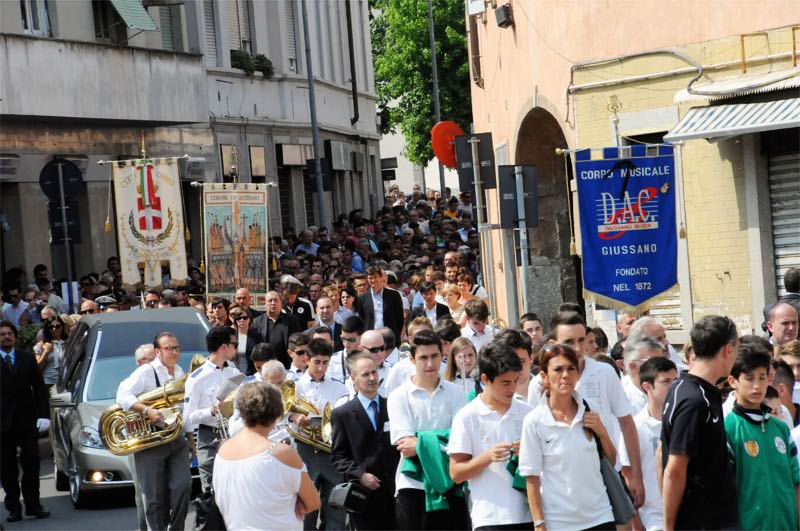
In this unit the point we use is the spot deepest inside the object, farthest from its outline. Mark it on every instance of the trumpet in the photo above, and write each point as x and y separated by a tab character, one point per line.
224	411
499	324
319	437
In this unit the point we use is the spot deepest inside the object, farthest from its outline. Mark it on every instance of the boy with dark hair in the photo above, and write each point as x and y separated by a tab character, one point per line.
262	353
352	330
448	331
521	343
422	403
783	382
655	376
485	436
476	329
531	324
314	387
297	351
761	448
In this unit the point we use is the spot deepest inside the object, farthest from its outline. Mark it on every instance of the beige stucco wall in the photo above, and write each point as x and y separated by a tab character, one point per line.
529	66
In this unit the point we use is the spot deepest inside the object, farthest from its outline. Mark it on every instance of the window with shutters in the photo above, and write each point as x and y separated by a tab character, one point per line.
238	19
34	17
210	34
109	27
291	36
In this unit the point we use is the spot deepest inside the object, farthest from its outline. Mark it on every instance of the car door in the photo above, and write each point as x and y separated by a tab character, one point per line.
69	381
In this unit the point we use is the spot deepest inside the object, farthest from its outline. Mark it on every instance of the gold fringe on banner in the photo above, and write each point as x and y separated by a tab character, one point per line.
620	306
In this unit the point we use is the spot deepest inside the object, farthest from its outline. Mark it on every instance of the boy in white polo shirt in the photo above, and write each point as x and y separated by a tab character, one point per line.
655	376
424	402
485	435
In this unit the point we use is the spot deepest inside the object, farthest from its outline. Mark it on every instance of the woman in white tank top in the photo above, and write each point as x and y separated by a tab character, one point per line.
259	484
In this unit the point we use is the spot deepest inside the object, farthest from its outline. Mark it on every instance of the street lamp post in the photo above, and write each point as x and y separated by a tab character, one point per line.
436	109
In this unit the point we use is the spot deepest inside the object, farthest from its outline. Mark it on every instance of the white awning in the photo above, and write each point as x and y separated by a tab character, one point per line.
736	119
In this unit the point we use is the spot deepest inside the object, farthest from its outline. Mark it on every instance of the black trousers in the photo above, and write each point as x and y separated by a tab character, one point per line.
527	526
607	526
411	512
26	438
379	514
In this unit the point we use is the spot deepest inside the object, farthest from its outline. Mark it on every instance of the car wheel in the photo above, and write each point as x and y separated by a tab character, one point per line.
62	480
80	499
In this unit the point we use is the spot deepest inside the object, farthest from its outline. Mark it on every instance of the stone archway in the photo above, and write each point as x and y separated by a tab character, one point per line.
555	274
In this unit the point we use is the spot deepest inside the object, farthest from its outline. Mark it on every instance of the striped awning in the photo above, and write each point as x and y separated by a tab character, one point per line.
719	121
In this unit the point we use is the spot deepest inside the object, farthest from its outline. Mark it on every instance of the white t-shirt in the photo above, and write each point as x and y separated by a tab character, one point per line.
568	465
412	409
476	428
259	492
649	430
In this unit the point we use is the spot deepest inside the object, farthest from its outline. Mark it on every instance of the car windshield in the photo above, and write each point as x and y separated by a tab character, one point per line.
115	360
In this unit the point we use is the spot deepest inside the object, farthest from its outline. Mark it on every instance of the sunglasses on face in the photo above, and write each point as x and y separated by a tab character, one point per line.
240	318
54	327
151	304
84	312
300	352
349	339
375	350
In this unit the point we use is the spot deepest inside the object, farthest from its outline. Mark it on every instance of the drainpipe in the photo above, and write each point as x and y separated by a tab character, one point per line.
351	50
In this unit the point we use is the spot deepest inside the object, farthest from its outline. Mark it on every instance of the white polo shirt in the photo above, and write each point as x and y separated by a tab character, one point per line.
478	340
402	371
635	396
602	388
412	410
649	429
476	428
567	462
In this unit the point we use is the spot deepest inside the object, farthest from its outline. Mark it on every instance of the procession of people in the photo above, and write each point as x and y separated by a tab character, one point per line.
376	372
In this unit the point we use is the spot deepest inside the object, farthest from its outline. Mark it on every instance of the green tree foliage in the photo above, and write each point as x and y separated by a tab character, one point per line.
403	74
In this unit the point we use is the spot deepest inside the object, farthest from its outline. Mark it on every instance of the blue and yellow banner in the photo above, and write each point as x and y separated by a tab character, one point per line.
627	220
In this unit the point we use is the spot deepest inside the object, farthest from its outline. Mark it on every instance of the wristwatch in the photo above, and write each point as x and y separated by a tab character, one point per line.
538	523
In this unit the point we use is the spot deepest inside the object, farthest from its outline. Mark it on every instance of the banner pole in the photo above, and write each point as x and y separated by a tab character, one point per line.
67	239
523	237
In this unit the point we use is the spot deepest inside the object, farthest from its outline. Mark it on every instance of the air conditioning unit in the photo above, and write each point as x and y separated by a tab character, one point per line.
503	16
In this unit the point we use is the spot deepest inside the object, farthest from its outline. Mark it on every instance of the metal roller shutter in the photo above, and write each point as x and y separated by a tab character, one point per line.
784	198
238	19
211	34
165	19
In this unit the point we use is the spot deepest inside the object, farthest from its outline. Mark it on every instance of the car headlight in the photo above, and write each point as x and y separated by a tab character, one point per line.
90	438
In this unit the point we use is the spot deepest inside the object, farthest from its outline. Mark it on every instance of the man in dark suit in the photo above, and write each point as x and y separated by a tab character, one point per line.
791	283
24	411
430	308
276	327
381	306
362	449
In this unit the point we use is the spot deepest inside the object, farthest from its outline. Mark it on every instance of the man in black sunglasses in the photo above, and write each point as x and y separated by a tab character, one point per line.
88	307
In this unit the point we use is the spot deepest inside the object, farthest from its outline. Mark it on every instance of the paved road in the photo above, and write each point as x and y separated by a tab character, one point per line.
114	510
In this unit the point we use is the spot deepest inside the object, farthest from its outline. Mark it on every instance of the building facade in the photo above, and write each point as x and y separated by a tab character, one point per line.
90	80
563	74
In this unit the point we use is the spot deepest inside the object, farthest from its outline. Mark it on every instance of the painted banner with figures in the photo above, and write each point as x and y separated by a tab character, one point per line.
150	226
628	228
235	237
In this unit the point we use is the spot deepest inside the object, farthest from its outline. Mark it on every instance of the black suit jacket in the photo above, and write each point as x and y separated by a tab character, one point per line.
357	448
441	311
254	337
277	334
23	395
789	298
392	311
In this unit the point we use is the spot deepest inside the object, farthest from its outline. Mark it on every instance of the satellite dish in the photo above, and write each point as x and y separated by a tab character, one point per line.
443	136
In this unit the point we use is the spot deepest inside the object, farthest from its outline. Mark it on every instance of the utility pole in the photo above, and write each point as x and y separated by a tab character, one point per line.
314	125
436	109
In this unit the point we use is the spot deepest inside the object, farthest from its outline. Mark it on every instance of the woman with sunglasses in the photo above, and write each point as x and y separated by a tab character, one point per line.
348	298
51	349
558	453
248	338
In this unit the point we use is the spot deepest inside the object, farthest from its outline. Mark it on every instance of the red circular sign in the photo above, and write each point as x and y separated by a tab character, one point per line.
443	136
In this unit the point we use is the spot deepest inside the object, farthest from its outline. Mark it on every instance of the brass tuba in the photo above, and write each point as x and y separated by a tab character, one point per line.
128	432
499	324
319	437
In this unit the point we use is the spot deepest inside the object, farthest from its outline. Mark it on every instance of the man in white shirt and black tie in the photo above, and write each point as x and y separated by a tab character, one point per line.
163	476
201	406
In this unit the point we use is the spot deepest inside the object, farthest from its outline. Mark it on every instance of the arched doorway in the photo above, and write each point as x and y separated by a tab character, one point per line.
555	274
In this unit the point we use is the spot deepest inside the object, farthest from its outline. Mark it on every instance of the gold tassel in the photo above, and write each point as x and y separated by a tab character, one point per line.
682	233
108	224
203	266
188	235
573	248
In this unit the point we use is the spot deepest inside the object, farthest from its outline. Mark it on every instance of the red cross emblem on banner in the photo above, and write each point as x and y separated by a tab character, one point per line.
148	203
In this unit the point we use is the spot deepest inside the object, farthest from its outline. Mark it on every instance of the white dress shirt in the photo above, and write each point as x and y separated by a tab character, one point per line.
293	373
412	409
202	387
635	395
336	368
478	340
377	307
383	372
476	428
143	379
320	393
430	314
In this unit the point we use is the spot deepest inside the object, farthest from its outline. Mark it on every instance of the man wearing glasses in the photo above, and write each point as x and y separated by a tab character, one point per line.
374	344
634	355
201	406
88	307
162	474
151	300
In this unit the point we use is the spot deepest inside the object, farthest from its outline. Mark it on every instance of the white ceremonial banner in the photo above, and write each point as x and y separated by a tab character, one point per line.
150	225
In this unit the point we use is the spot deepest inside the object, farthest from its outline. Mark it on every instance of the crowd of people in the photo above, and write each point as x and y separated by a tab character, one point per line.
403	385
